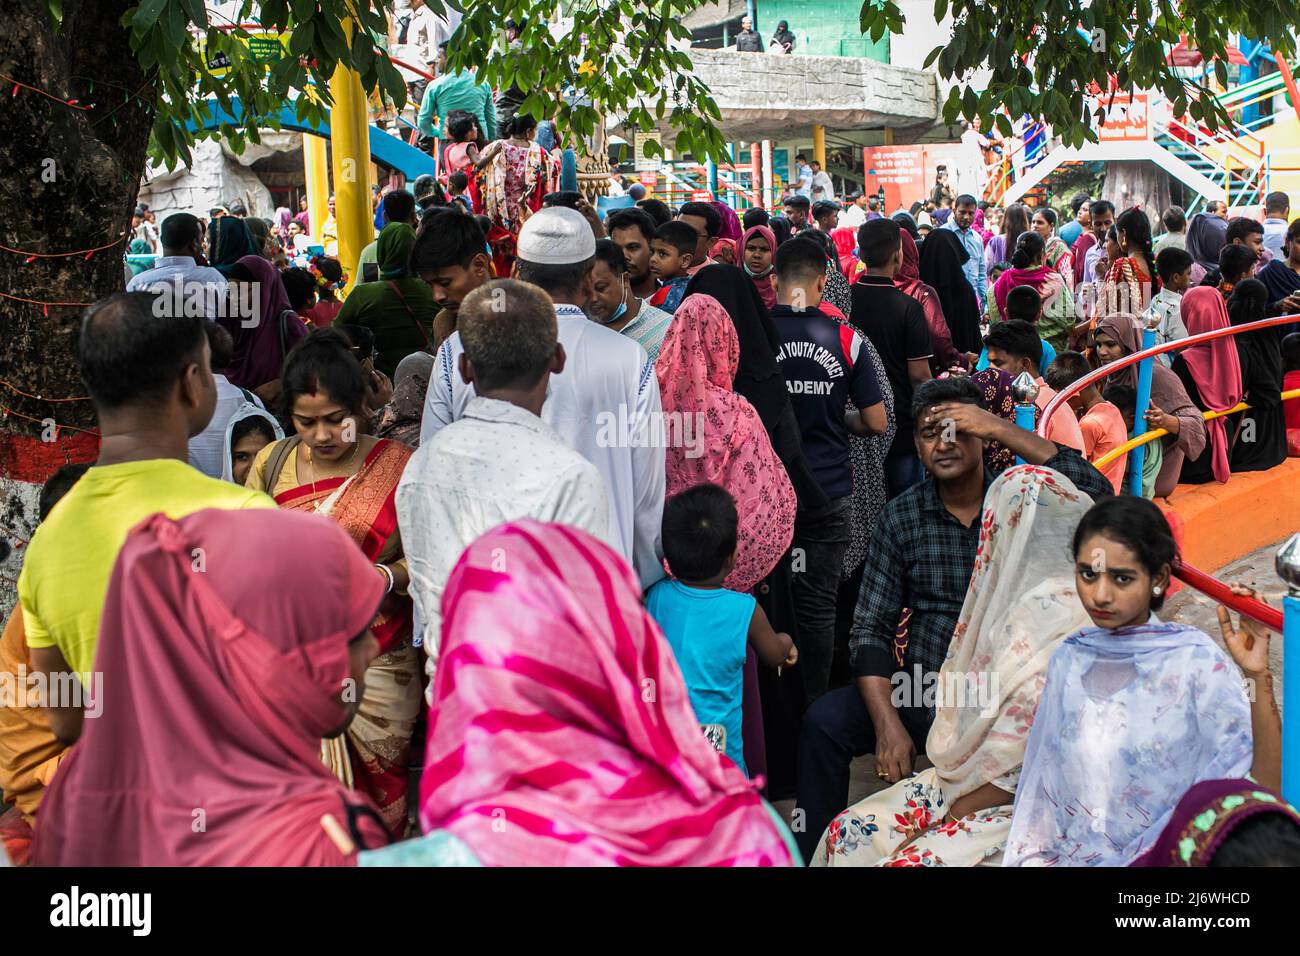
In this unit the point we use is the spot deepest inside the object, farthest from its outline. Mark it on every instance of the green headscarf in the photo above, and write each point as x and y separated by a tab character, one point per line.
393	250
139	247
229	241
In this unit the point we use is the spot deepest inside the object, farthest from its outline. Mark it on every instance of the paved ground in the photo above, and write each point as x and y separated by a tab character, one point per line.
1187	606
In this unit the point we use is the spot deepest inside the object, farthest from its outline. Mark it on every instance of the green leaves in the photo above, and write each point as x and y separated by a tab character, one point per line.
146	15
619	59
1038	62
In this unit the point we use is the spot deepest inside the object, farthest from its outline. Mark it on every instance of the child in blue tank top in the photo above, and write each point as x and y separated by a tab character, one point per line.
707	626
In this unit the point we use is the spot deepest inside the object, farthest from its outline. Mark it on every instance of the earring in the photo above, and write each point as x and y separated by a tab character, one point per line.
1156	590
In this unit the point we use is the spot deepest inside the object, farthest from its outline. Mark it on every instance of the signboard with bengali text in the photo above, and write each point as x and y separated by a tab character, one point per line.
1124	118
906	173
641	162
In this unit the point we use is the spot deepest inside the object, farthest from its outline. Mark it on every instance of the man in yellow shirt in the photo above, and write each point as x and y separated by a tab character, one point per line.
148	375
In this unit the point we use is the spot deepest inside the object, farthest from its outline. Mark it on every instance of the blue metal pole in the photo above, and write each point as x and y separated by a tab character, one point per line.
1291	693
1025	420
1025	392
711	177
1288	568
752	6
1138	456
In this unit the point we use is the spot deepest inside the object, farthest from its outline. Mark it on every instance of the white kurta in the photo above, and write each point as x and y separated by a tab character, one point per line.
606	405
497	463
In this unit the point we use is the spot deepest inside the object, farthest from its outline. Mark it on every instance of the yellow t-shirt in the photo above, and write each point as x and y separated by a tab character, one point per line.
65	572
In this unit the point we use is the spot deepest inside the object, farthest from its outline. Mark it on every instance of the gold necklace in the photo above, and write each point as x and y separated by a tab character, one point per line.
311	461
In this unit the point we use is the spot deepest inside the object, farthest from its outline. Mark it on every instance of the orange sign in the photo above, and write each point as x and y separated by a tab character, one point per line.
649	179
907	173
701	195
1122	118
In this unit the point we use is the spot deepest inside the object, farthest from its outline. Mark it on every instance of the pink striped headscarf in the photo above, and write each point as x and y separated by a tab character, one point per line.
1214	366
561	733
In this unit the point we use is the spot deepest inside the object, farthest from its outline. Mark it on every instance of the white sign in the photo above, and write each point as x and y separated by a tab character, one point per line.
644	163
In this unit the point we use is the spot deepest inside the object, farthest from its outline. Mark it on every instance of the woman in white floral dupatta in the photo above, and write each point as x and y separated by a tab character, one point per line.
1020	604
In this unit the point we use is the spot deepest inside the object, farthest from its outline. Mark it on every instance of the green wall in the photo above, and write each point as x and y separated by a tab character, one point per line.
822	27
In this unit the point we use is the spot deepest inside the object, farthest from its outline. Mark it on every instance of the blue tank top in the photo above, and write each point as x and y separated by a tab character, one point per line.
708	631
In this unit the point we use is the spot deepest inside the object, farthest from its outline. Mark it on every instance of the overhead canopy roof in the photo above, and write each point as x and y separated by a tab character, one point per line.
713	13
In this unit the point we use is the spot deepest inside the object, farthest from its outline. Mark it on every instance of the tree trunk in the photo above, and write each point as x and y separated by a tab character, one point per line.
68	182
1138	183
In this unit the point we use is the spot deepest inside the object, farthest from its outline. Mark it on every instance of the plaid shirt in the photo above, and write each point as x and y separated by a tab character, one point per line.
921	557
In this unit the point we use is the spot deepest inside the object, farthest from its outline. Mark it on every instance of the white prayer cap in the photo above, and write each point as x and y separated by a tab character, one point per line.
556	236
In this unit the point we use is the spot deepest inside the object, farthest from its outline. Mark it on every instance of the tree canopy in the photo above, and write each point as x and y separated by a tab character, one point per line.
616	58
1042	64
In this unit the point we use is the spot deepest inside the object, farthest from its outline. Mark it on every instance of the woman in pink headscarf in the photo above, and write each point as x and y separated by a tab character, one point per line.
756	250
908	280
697	364
220	681
560	731
1211	373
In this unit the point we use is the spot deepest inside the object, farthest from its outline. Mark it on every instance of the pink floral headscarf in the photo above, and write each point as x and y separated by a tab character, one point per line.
697	364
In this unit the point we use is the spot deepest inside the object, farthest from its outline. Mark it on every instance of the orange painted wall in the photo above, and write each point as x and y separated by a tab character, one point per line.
1225	522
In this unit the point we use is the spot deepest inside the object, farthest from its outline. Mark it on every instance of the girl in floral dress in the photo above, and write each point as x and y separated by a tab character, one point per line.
515	173
1135	710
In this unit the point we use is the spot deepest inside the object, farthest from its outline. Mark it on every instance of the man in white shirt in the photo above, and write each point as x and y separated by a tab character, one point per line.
498	461
606	401
1277	212
177	271
823	187
804	176
855	213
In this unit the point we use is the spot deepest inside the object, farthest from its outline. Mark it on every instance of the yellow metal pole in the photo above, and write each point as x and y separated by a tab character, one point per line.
889	136
819	144
350	132
315	159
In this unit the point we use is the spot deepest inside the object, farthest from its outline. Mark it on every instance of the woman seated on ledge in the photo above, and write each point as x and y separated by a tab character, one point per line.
1211	374
1119	334
561	733
1020	604
1135	711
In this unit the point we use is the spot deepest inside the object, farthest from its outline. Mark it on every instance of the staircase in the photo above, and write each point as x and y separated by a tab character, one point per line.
1232	157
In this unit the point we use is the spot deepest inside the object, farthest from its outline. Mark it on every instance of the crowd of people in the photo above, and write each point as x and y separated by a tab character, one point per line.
585	541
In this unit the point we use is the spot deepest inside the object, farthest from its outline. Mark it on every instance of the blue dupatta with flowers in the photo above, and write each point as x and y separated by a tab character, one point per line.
1129	719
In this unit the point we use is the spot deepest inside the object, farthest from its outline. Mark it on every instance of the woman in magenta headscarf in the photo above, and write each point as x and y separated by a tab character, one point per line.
1029	267
1211	373
908	280
756	250
560	730
264	338
219	687
731	228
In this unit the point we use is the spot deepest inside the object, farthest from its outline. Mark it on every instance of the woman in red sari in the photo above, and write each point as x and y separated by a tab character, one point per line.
331	467
1132	277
